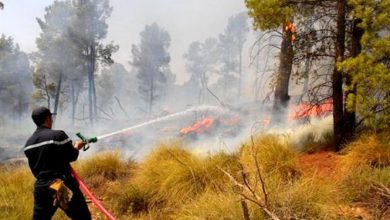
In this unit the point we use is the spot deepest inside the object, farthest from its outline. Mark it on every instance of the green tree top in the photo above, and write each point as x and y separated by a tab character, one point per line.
269	14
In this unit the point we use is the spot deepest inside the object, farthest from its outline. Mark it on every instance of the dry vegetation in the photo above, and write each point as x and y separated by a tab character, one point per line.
172	183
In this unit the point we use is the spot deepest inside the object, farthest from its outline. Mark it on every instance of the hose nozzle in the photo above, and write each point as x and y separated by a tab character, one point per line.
86	140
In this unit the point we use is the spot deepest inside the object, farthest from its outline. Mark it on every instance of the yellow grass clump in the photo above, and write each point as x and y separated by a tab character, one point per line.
365	174
172	183
273	155
105	165
372	150
306	198
172	176
213	205
16	193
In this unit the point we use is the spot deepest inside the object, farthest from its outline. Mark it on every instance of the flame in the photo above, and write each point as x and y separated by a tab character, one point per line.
199	127
302	111
290	27
231	121
265	122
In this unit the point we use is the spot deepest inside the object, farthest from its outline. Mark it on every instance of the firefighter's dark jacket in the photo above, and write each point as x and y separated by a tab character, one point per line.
49	153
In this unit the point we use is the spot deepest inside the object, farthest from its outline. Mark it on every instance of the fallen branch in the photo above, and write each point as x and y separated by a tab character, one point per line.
256	198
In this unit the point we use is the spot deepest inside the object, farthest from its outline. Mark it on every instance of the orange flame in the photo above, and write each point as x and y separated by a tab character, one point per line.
290	27
199	127
302	111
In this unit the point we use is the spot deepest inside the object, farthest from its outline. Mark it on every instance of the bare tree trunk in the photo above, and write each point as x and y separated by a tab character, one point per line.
151	95
283	79
337	79
91	83
93	64
75	97
90	99
240	75
58	91
47	92
308	61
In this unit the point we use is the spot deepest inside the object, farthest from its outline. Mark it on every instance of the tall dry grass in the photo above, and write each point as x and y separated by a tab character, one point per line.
172	183
272	155
16	193
171	176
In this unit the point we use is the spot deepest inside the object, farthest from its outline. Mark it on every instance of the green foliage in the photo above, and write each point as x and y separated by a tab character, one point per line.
269	14
151	62
370	70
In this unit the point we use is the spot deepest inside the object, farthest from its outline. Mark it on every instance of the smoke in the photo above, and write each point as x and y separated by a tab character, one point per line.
119	103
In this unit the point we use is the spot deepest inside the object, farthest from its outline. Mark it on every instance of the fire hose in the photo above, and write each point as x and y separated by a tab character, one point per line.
91	196
84	187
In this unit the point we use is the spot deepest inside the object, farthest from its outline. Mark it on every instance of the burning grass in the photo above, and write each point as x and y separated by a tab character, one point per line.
172	183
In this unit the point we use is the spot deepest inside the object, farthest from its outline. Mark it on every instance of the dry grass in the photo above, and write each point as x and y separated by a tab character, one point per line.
108	165
172	183
372	150
173	176
212	205
274	157
16	193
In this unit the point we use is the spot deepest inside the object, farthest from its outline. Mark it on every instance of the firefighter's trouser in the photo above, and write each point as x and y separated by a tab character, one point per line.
44	198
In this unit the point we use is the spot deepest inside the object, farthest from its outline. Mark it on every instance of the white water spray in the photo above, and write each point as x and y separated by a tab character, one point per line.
165	118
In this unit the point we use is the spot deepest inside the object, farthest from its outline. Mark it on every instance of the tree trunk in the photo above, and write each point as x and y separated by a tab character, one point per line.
151	95
93	64
90	99
337	79
283	79
58	91
75	97
240	75
350	114
308	61
91	83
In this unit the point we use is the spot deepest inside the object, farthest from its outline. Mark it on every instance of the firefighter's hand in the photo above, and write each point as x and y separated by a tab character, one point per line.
78	144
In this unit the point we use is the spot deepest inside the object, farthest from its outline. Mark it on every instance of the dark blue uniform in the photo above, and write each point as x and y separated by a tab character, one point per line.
49	154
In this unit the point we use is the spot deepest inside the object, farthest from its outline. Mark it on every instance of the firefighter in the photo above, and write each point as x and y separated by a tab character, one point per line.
49	153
